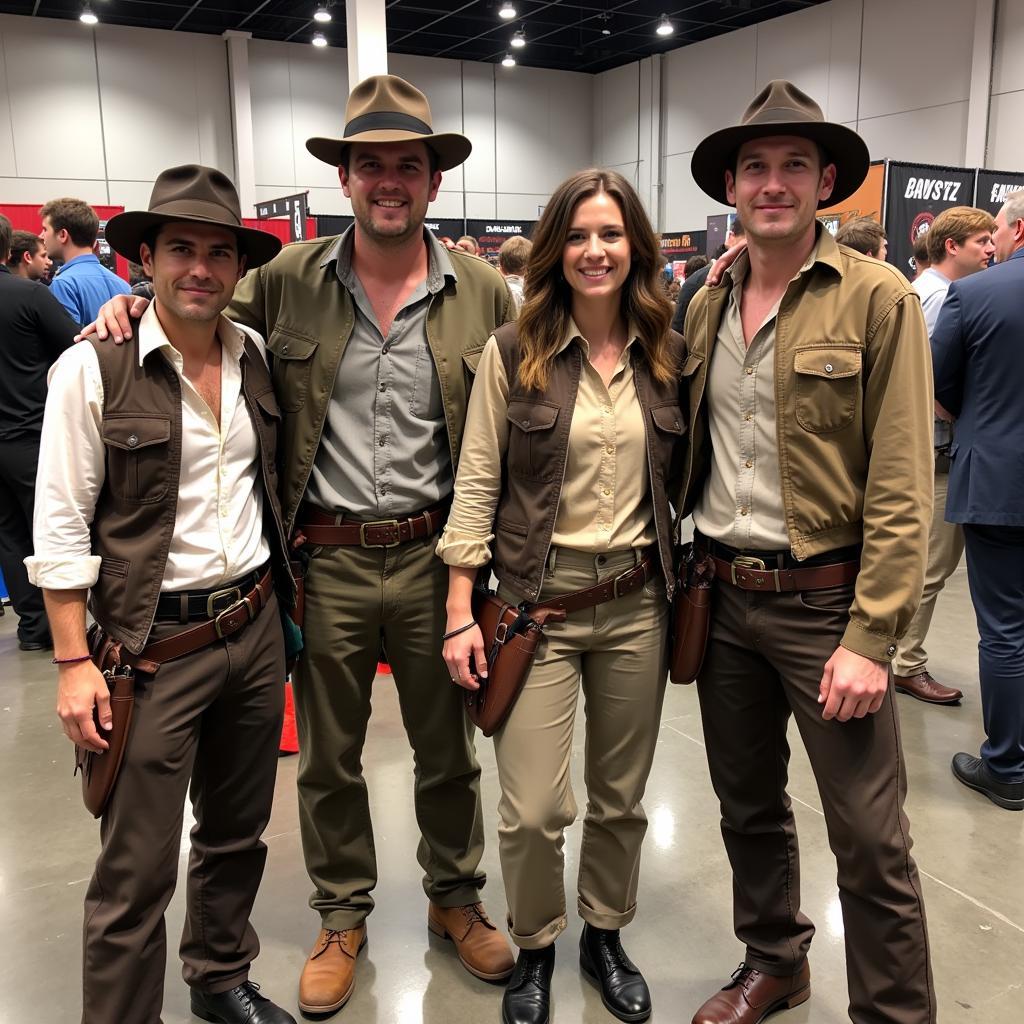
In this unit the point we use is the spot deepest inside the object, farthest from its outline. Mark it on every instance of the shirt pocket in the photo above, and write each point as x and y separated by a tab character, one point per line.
293	365
470	365
270	421
427	403
828	386
531	440
670	428
137	448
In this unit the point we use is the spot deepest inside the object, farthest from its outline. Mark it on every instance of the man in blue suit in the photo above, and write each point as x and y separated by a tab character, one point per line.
978	352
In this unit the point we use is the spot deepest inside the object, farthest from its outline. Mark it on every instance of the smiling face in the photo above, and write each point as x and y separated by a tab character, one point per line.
777	186
597	254
390	185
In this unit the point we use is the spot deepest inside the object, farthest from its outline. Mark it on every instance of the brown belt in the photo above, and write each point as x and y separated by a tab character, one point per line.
322	527
610	589
229	622
750	573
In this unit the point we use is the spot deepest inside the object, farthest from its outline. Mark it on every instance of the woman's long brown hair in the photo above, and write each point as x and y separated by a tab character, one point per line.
547	305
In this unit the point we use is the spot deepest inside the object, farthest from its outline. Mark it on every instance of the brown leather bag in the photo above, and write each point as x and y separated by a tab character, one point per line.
99	771
691	614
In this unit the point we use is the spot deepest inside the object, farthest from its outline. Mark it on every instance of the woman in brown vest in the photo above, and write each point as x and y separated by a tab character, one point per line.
572	449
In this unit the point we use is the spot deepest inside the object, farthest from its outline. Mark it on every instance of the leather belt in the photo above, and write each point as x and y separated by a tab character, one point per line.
322	527
230	621
610	589
205	604
750	573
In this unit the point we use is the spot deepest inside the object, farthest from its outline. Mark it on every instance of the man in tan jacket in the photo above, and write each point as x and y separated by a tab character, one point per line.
810	483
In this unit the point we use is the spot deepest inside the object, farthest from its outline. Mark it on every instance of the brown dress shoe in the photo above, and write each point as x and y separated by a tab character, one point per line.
923	687
481	949
329	977
751	996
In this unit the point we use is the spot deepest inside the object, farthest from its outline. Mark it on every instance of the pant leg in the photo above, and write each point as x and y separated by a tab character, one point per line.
744	713
997	589
945	549
447	774
861	776
624	675
18	461
232	793
332	683
124	941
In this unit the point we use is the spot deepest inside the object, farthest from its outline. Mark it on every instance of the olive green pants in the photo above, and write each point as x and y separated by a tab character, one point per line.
356	597
616	654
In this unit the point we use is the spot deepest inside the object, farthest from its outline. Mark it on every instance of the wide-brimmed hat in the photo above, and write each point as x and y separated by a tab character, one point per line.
199	195
385	108
780	108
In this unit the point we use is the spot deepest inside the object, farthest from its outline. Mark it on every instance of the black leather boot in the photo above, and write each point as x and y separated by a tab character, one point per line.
527	998
242	1005
623	989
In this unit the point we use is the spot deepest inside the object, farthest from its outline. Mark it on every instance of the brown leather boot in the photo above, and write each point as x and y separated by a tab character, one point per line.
329	977
922	686
751	996
483	951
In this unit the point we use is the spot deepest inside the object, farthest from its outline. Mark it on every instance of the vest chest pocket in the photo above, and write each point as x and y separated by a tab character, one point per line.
827	387
269	421
670	428
293	364
138	448
531	439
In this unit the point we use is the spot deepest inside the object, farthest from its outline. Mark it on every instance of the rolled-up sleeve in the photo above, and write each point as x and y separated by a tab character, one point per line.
70	475
467	537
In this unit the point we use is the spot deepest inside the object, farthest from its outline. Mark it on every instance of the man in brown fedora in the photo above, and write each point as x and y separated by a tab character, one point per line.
371	335
809	479
157	498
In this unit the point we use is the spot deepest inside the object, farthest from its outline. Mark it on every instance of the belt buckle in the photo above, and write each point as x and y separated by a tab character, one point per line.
745	562
619	579
235	593
363	527
242	601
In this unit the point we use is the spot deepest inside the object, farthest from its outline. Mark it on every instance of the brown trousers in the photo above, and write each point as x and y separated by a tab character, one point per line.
213	717
763	665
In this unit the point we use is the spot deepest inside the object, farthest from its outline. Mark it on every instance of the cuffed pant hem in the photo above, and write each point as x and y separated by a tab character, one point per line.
775	970
461	897
609	922
214	988
908	670
343	920
539	939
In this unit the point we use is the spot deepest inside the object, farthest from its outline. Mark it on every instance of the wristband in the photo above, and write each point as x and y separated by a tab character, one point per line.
70	661
461	629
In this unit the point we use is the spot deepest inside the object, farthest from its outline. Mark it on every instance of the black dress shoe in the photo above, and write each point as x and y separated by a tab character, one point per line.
527	998
242	1005
623	989
35	645
973	772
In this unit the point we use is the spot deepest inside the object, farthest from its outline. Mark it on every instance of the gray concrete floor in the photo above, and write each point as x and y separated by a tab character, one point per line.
970	852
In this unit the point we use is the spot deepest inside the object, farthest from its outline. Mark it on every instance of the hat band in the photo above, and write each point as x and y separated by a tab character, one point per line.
384	120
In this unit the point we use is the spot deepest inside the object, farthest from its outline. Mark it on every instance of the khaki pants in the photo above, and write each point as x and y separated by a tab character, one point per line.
945	549
355	597
615	653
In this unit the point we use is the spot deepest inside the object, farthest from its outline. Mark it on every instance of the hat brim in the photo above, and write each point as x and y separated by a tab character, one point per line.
125	232
451	148
845	148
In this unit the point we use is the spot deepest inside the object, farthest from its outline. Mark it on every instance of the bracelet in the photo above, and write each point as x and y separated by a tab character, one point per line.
461	629
70	661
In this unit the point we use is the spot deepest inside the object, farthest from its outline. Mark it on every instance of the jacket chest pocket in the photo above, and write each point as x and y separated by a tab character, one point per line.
827	387
293	365
532	453
138	448
267	416
669	430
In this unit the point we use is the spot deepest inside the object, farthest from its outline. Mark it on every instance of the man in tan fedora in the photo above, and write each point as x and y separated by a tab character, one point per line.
157	497
370	334
809	480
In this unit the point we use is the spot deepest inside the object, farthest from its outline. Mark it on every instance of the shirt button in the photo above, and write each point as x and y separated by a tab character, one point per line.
133	440
891	650
607	491
750	370
525	423
601	559
610	450
749	416
284	350
749	463
382	442
383	387
743	511
828	367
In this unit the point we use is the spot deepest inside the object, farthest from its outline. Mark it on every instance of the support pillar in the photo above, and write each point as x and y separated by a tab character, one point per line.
367	39
241	118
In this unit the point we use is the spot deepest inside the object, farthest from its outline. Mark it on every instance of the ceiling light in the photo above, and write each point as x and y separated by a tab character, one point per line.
665	27
87	17
319	39
508	61
507	11
606	31
519	40
322	14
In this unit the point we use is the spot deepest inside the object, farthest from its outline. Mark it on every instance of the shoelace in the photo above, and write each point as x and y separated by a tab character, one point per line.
534	971
743	975
474	914
248	995
336	938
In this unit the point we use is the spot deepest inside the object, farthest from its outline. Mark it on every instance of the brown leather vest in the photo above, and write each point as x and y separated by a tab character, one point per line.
538	446
137	505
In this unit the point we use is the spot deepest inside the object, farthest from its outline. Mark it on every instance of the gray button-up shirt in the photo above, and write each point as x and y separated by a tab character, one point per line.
384	451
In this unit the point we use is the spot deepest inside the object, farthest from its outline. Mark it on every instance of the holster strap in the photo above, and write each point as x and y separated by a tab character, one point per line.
749	573
556	609
322	527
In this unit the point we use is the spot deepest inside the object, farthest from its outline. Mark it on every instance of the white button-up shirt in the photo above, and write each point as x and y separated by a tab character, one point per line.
218	527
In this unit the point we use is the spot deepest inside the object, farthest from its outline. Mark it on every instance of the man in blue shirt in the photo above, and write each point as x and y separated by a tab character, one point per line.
82	284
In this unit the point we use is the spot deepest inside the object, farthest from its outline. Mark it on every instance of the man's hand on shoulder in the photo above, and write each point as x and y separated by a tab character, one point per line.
852	686
723	263
114	319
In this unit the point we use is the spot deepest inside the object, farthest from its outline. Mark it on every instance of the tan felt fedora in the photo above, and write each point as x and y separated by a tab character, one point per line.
385	108
199	195
780	108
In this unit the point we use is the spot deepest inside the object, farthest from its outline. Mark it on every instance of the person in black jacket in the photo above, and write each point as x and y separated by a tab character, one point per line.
34	330
693	282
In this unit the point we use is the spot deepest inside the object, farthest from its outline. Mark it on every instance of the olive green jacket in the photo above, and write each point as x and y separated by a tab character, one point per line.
300	306
853	392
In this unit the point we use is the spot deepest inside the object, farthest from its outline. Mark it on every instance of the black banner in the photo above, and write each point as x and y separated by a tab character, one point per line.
915	195
295	208
490	234
447	227
681	245
994	187
328	224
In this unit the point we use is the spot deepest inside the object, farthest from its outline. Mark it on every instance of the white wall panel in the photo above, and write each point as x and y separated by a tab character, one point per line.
1006	139
684	206
1007	62
935	135
319	88
8	163
41	190
798	48
478	97
617	109
132	195
273	139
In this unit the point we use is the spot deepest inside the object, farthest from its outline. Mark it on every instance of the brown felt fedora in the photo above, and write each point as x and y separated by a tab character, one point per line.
780	108
199	195
385	108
